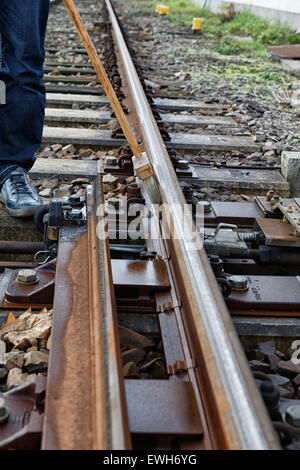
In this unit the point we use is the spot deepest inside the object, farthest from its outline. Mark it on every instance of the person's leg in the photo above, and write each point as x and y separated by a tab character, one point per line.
22	27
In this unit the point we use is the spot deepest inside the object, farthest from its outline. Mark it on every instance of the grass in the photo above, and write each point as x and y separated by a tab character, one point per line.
182	12
262	32
260	29
230	33
243	78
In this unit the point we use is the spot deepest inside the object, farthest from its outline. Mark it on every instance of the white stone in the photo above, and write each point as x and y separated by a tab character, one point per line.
16	377
295	99
290	170
45	192
292	65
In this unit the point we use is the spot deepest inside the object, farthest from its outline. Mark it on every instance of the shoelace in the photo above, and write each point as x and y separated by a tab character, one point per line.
19	185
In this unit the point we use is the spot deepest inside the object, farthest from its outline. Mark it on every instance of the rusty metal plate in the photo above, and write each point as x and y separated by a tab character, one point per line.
172	343
264	206
268	293
23	429
278	233
140	273
20	296
238	213
40	293
162	407
287	51
174	355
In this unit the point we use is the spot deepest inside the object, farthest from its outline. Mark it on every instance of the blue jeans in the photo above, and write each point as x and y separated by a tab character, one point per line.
22	28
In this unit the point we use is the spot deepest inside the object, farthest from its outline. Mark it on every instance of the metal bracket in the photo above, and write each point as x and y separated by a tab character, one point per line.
23	428
291	214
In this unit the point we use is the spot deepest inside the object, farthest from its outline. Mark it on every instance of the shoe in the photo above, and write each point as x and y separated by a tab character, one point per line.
19	197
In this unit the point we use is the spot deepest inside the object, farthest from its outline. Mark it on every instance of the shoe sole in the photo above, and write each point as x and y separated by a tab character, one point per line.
20	213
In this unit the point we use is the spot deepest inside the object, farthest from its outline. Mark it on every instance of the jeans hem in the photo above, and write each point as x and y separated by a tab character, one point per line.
4	173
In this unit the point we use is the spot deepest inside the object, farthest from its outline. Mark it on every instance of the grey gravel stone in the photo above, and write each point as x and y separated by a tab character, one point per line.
12	360
259	366
3	375
36	361
288	369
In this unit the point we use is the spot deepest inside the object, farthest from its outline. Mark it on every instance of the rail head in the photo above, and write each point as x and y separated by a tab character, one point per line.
221	365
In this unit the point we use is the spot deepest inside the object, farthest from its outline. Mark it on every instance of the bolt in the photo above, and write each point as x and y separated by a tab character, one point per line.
267	386
270	194
216	264
205	205
292	415
269	393
27	276
183	164
115	202
238	282
4	411
275	199
111	161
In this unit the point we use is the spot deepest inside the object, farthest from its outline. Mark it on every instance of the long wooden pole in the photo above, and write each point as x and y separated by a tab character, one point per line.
104	80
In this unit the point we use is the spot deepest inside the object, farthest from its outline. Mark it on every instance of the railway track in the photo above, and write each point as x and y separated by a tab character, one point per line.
144	353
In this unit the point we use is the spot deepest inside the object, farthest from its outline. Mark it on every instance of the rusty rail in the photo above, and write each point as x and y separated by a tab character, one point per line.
233	407
85	406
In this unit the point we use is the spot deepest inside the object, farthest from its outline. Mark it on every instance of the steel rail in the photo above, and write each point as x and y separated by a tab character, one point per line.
234	408
86	404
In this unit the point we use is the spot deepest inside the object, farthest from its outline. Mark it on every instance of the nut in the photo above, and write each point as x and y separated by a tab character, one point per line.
111	161
270	194
4	411
275	199
183	164
238	282
205	205
27	276
292	415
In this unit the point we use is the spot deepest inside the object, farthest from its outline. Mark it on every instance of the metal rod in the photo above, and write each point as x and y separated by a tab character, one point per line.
18	247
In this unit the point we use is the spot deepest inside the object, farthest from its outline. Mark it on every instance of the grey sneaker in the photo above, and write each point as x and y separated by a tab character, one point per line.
19	197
